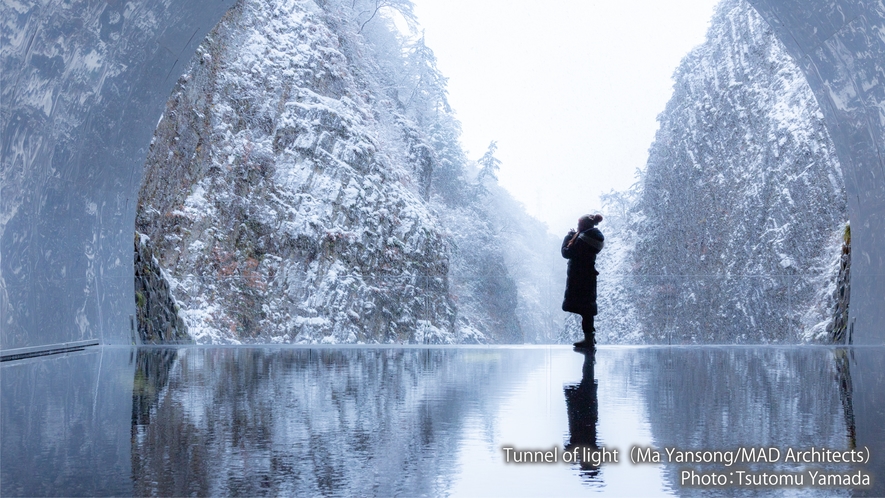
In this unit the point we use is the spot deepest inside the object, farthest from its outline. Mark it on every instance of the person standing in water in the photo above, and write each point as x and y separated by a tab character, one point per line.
580	249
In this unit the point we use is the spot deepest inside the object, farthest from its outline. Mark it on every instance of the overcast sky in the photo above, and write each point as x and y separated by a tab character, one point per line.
570	89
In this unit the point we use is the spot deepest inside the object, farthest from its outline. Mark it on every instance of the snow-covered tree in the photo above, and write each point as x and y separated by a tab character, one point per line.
489	164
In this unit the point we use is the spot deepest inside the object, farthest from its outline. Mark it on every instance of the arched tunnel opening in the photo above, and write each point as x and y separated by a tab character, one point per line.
82	87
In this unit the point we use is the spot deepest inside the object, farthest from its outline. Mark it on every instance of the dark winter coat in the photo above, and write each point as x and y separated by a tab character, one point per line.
580	285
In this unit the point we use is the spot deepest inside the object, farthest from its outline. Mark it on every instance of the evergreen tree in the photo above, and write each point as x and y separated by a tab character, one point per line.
425	94
489	164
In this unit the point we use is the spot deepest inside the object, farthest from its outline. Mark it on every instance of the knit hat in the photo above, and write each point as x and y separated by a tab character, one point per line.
588	221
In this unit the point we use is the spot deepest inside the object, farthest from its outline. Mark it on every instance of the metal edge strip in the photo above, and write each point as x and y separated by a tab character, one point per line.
30	352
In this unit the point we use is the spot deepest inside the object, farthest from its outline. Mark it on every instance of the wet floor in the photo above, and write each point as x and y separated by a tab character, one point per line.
362	421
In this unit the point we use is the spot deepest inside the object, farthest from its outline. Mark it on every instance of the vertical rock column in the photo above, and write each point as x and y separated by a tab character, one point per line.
838	329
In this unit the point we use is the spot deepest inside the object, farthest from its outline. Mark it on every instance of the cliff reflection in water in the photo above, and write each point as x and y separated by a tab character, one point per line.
351	422
723	398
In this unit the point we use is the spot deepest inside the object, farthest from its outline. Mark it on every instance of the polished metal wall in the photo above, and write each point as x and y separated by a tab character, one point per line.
84	83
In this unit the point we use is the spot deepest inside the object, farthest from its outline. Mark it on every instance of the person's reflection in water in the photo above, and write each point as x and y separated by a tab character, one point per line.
583	414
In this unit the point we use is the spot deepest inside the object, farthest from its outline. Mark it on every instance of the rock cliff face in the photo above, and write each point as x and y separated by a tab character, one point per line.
732	232
156	310
305	184
839	330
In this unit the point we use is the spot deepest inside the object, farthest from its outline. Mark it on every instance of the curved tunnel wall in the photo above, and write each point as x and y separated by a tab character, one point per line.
83	85
84	82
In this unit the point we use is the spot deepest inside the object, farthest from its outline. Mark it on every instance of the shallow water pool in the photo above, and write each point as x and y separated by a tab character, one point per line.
414	421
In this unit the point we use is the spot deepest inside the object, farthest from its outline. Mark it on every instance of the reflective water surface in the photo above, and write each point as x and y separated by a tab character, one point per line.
412	421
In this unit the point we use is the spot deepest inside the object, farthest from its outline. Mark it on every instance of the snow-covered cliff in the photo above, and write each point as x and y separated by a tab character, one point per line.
306	184
732	233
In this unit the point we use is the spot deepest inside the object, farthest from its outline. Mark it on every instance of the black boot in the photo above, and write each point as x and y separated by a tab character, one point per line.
589	330
587	343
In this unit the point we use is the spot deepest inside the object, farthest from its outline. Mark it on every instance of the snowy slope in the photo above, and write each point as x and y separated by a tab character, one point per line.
732	232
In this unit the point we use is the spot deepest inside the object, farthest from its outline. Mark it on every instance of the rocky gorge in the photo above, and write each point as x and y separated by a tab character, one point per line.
306	185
